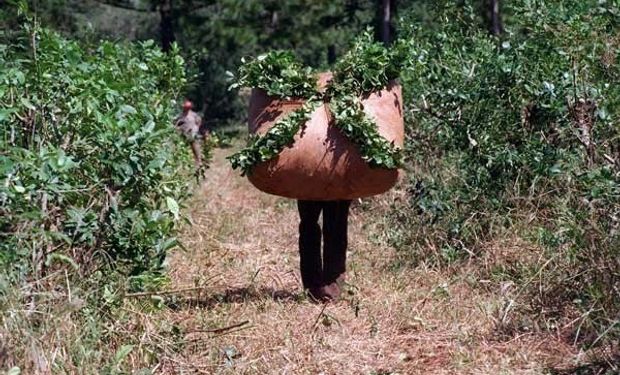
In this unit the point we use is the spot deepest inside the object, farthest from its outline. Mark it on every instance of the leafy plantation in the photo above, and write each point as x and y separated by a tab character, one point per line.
90	169
92	178
519	136
511	194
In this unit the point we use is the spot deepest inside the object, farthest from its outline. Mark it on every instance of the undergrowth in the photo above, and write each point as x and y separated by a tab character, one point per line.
519	136
92	180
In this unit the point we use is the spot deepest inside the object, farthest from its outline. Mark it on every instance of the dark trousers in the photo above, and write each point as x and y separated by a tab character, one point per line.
315	271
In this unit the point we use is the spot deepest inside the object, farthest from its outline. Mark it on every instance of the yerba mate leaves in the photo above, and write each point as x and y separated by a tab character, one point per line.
367	68
268	146
279	74
361	130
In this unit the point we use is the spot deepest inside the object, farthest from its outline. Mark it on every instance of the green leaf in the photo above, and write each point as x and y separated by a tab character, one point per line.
21	78
128	109
4	114
122	353
26	102
169	244
173	207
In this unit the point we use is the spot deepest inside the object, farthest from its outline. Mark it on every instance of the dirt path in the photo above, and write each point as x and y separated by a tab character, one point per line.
394	320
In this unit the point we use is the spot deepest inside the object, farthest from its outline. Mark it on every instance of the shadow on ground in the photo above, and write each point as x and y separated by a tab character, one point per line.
236	295
608	366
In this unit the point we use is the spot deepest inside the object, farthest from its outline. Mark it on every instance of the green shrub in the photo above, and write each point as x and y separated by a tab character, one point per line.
520	134
91	172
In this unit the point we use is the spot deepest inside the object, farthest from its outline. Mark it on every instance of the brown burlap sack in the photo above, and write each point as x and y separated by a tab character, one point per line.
322	163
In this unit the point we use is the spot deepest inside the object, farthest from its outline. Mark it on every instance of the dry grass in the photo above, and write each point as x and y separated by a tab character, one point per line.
243	247
249	315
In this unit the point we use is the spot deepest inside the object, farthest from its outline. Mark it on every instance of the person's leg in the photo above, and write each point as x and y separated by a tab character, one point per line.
335	228
196	145
310	244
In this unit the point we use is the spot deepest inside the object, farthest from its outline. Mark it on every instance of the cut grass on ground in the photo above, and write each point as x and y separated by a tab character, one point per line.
239	309
394	320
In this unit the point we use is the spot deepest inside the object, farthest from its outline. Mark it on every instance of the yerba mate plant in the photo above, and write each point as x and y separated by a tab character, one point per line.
519	137
91	172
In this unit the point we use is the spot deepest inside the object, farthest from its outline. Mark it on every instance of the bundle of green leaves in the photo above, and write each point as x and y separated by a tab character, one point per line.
279	74
368	67
269	146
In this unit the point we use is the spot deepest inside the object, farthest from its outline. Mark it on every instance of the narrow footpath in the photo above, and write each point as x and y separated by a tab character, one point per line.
248	315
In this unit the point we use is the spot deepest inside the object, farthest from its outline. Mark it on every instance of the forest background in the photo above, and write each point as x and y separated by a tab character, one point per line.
512	113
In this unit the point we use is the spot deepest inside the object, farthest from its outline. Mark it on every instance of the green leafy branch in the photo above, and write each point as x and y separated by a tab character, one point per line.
361	130
281	135
369	66
279	74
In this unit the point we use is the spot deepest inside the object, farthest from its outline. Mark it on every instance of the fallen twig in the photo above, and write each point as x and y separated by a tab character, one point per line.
216	332
220	330
163	292
316	322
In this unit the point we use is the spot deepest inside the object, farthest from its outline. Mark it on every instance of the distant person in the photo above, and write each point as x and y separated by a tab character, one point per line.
189	123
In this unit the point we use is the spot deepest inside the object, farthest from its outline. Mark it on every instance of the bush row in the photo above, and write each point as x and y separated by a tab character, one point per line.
91	172
519	136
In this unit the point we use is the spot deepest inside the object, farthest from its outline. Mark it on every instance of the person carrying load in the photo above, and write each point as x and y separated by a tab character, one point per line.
324	171
190	125
323	139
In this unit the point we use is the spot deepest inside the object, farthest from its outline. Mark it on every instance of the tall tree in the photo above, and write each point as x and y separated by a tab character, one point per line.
494	16
166	24
167	16
385	21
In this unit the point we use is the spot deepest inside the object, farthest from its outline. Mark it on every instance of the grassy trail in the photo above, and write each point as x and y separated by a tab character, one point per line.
251	317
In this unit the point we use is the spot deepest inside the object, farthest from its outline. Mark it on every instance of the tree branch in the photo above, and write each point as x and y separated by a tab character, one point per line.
187	8
124	5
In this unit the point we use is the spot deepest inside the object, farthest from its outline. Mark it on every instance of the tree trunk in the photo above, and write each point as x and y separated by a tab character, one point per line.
166	28
331	54
495	17
386	15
